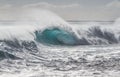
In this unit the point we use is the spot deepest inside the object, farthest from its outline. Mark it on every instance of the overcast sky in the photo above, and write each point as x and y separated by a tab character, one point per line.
71	9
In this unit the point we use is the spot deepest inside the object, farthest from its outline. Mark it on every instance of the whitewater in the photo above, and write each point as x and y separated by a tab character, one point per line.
39	43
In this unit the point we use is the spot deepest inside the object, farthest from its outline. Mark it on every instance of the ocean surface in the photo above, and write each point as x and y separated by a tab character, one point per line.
53	47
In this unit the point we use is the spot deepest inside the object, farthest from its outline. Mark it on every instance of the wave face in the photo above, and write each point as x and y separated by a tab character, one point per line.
56	36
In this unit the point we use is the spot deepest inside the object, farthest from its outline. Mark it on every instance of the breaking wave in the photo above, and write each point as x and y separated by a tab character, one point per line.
43	39
45	27
49	30
59	36
93	36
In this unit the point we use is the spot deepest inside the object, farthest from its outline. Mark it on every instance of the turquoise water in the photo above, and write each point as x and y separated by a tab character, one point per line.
56	36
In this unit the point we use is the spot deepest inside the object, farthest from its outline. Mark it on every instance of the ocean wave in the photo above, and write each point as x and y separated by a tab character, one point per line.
67	36
93	36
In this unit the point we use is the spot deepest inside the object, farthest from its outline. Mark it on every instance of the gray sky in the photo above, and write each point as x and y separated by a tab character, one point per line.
72	9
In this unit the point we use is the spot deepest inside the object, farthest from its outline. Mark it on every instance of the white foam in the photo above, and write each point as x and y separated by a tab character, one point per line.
25	22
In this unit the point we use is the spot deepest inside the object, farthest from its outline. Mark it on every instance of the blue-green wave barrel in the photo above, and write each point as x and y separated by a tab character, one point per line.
56	36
